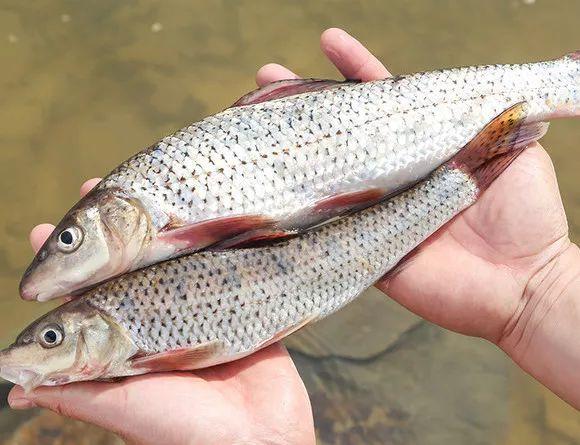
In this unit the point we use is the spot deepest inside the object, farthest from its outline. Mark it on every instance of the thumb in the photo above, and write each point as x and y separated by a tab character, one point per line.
108	405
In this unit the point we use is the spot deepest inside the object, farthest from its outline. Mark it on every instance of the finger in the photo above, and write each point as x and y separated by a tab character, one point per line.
39	234
351	58
88	185
82	401
273	72
113	406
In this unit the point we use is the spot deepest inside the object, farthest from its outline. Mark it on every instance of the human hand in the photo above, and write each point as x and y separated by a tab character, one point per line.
493	272
504	269
259	399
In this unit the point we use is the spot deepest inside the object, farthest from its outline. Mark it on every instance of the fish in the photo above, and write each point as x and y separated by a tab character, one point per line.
212	307
283	160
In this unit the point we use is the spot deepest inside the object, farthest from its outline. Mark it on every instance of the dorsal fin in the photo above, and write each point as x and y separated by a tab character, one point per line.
285	88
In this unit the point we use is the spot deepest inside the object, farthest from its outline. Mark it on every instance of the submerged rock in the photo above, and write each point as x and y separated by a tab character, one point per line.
374	322
402	383
48	428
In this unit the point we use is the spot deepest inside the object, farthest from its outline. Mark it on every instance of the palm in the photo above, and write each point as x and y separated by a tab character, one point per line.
473	275
470	278
260	399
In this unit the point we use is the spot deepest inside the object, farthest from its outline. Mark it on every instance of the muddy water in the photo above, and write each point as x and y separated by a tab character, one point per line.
85	84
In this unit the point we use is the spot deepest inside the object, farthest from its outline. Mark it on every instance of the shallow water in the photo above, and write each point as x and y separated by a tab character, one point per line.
85	84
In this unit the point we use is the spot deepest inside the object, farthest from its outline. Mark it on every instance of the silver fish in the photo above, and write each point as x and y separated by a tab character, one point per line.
284	159
213	307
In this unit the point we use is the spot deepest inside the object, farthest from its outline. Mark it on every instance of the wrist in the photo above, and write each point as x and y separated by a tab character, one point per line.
542	337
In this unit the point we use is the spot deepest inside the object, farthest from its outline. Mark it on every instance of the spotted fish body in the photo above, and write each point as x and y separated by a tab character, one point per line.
213	307
296	155
244	298
280	157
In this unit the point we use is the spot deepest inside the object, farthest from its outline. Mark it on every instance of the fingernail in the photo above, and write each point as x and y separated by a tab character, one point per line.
20	403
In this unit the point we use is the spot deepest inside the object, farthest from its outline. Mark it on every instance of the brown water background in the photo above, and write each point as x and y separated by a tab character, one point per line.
84	84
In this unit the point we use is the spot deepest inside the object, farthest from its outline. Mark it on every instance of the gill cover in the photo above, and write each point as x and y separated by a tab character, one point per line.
74	342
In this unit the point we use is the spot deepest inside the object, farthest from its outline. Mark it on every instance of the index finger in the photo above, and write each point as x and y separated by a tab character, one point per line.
272	72
351	58
39	235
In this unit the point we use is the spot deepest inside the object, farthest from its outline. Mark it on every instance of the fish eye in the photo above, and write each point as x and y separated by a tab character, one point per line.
51	336
69	239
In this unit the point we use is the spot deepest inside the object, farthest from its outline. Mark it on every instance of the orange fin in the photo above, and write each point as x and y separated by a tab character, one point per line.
508	131
199	356
207	233
289	330
498	144
490	170
285	88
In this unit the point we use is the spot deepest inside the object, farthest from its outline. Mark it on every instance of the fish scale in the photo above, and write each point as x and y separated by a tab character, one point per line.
244	297
214	306
407	121
287	158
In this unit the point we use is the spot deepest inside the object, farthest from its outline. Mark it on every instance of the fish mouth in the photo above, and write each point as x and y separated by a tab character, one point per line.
18	373
30	291
27	290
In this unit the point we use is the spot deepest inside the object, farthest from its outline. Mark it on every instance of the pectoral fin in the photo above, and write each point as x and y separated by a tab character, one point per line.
204	234
258	230
200	356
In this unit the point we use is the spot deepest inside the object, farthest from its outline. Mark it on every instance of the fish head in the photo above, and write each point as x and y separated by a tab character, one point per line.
104	235
74	342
